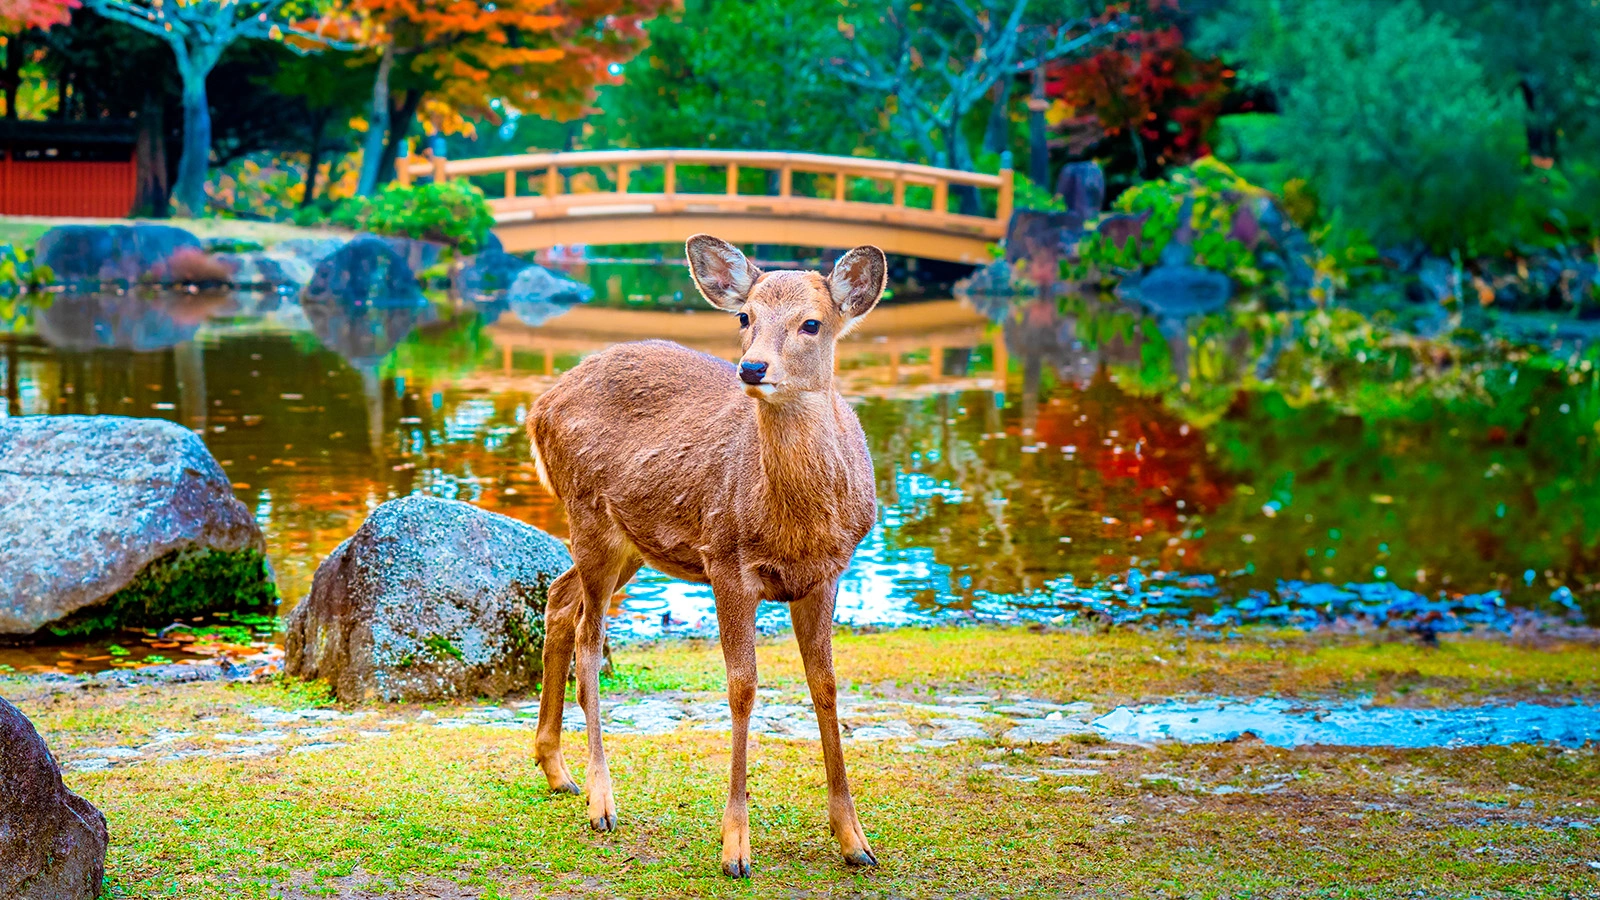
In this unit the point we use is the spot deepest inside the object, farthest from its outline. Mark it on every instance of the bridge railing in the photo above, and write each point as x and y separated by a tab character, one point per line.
535	187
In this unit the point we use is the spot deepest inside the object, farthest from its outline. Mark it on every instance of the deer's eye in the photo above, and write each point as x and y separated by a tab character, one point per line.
810	326
744	321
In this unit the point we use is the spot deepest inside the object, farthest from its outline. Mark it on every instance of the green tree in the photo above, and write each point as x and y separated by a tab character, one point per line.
1387	112
716	76
1547	55
938	65
199	31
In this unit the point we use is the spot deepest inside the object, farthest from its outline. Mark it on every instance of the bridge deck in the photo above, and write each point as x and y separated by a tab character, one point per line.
552	215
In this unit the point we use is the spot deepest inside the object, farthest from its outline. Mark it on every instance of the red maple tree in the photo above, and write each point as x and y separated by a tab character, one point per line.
1147	101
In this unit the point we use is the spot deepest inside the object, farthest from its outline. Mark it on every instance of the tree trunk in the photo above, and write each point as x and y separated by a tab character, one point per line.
14	60
319	123
401	119
997	137
377	127
190	191
960	156
1038	143
150	158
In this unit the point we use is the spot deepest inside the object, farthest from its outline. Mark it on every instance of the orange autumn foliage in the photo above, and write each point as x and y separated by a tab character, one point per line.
542	57
20	15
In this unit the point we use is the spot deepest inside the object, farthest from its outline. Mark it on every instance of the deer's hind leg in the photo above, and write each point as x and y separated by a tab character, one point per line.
605	565
575	615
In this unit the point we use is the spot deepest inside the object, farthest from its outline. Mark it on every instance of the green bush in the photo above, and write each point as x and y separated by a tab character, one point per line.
1213	192
453	213
1387	113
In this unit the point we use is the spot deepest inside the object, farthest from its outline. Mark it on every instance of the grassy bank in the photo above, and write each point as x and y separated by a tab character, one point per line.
410	809
26	230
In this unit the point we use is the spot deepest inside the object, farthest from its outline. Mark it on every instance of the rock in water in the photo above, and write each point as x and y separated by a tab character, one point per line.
369	271
92	254
538	295
430	598
1180	291
52	842
106	520
489	276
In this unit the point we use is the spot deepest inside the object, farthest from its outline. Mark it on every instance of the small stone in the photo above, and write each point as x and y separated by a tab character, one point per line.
964	699
886	731
1120	820
1041	731
1072	789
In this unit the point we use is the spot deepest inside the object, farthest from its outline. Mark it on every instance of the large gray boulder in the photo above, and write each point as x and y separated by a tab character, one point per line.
106	520
365	271
429	599
93	254
52	842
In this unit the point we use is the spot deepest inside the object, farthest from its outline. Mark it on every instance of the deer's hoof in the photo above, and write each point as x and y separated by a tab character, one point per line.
606	822
862	857
736	868
568	788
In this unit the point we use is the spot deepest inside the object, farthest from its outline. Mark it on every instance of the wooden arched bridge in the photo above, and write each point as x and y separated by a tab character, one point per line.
800	199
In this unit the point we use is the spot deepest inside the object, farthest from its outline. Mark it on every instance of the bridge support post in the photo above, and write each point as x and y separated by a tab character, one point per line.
440	176
402	164
1005	199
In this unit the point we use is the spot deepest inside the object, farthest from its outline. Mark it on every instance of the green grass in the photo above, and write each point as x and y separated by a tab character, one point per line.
26	230
1127	666
425	812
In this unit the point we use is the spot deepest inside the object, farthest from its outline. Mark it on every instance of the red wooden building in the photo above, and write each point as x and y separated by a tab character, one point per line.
82	169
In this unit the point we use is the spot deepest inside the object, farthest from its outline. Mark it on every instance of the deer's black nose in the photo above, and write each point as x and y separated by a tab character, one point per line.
752	372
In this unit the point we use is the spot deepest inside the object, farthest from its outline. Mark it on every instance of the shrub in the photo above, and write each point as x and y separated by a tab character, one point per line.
453	213
1210	191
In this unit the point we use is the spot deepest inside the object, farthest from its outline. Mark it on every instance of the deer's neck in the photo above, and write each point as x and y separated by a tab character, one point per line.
805	460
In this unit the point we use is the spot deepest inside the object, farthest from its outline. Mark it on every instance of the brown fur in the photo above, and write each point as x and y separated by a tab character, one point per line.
663	456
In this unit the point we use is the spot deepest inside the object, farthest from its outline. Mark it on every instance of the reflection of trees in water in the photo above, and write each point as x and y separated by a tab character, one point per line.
1018	500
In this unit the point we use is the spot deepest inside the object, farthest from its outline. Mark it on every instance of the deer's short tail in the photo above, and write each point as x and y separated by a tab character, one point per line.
538	456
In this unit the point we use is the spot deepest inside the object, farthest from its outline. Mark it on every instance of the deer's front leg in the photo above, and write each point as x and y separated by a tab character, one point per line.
813	628
736	619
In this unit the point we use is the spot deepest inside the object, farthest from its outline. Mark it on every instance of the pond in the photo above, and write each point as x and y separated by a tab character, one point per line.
1035	460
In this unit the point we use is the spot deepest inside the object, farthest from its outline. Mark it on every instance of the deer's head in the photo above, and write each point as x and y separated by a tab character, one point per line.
788	321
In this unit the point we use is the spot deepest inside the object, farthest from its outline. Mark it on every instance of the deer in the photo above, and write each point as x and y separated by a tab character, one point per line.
755	479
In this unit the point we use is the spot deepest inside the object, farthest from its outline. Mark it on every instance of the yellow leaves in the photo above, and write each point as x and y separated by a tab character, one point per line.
846	29
1058	113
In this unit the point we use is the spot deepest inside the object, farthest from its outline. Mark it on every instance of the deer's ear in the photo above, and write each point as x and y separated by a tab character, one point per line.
858	280
720	271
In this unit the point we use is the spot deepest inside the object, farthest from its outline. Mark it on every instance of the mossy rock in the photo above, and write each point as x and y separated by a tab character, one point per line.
182	584
109	521
429	599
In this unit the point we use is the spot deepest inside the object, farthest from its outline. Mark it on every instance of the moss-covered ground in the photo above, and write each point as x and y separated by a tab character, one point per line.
463	812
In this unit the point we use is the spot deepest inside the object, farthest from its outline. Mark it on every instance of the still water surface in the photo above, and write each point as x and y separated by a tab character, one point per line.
1026	468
